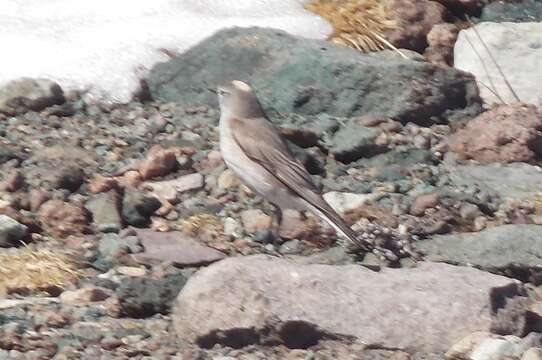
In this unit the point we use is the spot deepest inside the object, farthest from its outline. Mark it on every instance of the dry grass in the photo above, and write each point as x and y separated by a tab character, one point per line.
35	270
202	223
359	24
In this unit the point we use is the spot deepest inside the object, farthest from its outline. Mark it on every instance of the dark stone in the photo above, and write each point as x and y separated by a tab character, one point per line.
295	75
138	207
144	297
21	95
355	141
69	177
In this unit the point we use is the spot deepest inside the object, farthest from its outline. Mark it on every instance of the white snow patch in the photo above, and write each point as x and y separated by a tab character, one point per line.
106	46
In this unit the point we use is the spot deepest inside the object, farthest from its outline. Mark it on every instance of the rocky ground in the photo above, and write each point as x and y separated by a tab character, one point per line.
123	235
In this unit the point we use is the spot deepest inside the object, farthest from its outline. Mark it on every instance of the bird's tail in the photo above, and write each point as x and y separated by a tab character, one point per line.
335	220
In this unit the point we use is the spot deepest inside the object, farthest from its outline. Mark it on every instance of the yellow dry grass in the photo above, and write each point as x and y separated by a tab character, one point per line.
359	24
202	223
35	270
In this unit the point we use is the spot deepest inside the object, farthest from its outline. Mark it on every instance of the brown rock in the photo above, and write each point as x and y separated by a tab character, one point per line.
415	18
159	162
255	219
228	180
130	179
504	134
424	202
261	295
62	219
441	41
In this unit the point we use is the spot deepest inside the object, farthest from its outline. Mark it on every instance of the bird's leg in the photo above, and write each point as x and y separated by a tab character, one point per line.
275	226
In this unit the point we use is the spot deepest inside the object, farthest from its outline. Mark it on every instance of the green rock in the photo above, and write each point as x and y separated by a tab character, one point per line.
310	77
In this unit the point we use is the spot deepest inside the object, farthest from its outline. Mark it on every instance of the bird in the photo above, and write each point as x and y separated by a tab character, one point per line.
254	149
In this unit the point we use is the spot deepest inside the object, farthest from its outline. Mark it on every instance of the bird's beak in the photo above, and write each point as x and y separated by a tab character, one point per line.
213	90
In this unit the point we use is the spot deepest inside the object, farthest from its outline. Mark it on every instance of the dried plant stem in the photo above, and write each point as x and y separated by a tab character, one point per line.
493	59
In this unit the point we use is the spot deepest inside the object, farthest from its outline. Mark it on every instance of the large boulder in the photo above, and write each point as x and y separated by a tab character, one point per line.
256	299
515	47
292	74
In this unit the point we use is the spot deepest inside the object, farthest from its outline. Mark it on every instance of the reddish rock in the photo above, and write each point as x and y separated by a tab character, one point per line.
37	198
175	247
13	181
504	134
293	225
416	18
62	219
254	220
102	184
424	202
441	41
130	179
159	162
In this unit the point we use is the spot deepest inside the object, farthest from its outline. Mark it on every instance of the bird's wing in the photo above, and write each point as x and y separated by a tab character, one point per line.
262	143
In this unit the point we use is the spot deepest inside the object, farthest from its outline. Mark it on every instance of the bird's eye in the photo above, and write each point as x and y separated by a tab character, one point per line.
222	92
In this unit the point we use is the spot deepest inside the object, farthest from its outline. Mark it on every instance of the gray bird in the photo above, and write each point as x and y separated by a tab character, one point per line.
253	148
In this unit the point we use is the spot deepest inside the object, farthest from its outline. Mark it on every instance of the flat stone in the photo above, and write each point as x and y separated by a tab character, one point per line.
343	202
516	181
175	247
264	296
496	248
105	211
169	189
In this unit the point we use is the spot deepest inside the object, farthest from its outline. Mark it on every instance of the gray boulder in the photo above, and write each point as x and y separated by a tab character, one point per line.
508	248
255	299
515	47
22	95
292	74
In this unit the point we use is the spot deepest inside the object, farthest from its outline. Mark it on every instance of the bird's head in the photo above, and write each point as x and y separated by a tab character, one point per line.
238	99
